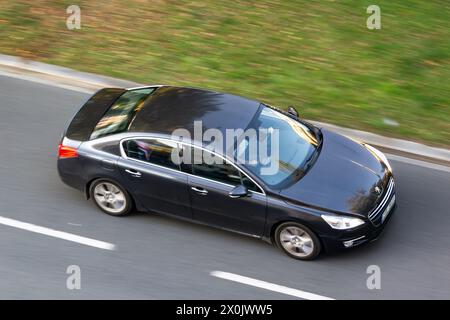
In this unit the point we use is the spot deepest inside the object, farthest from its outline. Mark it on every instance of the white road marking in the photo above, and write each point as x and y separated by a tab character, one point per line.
268	286
419	163
56	234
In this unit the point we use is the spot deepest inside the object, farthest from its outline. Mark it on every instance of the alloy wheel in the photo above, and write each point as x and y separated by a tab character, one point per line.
109	197
296	241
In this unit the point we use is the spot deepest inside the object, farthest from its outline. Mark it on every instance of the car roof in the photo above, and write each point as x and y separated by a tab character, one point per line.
169	108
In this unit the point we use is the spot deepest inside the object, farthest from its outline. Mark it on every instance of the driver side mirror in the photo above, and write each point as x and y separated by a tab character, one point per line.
239	192
291	110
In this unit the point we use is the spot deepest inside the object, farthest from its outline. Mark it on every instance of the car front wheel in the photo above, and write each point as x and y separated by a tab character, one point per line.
110	197
297	241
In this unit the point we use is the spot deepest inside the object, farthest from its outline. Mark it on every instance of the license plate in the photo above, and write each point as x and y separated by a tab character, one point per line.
388	209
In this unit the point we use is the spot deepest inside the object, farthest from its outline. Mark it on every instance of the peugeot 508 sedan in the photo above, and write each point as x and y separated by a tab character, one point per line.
329	193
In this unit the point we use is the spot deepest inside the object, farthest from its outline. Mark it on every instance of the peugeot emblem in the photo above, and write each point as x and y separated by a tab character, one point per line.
377	190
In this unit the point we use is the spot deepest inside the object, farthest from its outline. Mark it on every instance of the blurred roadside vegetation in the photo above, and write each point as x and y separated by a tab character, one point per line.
316	55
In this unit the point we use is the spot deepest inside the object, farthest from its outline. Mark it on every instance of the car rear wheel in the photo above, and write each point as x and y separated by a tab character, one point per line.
297	241
110	197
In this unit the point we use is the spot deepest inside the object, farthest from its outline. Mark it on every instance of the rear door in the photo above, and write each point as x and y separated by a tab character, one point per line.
148	170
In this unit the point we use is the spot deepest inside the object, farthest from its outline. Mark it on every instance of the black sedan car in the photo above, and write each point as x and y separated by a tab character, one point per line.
328	193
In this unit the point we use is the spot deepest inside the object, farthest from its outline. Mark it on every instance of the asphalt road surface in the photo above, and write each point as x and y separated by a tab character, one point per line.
159	257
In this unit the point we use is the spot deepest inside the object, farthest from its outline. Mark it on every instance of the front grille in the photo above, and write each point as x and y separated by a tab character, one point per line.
375	215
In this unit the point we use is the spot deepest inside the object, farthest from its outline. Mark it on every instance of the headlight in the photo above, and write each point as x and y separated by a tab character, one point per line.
379	155
341	222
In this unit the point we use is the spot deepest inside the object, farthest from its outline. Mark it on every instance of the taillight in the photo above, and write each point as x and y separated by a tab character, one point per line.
65	152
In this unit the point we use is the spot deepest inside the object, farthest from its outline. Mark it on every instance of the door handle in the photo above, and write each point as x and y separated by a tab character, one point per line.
200	191
134	173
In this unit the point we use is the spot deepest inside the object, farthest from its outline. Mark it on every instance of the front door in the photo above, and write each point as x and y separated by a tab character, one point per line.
210	185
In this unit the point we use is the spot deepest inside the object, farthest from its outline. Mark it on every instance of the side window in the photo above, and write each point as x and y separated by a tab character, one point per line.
221	172
225	173
154	151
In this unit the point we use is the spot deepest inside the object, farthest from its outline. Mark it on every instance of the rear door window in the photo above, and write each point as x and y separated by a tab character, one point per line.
154	151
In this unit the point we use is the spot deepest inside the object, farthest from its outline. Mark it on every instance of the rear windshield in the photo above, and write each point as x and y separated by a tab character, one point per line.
90	113
118	118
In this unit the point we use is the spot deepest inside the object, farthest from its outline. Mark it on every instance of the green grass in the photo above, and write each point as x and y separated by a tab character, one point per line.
316	55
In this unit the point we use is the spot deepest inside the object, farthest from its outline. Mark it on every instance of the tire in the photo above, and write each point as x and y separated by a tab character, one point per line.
297	241
110	197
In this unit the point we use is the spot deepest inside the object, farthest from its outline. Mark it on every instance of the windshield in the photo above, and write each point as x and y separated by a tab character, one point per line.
290	151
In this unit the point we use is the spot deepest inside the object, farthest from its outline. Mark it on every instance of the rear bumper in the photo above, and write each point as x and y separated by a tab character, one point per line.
70	173
354	238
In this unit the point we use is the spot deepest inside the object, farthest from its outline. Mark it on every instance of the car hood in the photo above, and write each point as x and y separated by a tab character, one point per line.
342	180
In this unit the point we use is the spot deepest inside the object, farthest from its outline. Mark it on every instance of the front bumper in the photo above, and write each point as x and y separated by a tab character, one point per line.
347	239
